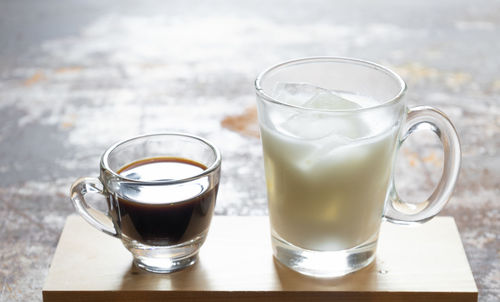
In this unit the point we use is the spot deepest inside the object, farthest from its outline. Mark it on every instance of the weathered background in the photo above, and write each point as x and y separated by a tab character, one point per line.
77	76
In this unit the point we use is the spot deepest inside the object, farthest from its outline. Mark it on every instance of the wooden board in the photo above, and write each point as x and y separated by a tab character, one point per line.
417	263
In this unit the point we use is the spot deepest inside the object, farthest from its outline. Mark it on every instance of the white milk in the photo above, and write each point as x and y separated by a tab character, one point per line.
327	179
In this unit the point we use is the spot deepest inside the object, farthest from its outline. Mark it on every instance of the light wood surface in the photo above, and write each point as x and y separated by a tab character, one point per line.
416	263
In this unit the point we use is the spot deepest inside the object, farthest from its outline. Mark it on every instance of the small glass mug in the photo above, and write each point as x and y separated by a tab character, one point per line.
163	223
329	171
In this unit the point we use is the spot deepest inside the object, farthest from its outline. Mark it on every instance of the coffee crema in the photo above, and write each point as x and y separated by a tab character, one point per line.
157	215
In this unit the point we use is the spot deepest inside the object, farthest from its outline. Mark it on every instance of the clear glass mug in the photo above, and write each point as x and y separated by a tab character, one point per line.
329	168
164	222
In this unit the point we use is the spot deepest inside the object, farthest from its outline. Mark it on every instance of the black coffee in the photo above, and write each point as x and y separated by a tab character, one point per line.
165	215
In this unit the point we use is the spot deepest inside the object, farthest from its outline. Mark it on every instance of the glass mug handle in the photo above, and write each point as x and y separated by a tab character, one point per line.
399	211
79	189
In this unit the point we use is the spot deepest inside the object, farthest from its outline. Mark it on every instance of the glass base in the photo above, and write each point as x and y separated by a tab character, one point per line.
325	264
164	266
165	259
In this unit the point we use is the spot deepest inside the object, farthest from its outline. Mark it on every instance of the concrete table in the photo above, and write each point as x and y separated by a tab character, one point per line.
77	76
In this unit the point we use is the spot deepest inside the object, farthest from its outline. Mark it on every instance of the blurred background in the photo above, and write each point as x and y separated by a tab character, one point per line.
77	76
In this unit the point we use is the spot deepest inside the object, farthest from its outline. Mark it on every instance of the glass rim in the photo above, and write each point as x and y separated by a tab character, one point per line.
346	60
209	170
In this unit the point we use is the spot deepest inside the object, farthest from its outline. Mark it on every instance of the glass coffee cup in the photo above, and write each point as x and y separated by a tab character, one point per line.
161	191
330	130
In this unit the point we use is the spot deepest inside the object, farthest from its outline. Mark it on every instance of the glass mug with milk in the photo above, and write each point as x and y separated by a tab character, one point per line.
330	130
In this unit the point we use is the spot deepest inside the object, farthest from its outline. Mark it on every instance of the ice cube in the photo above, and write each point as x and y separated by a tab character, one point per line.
316	125
315	158
324	132
296	93
307	125
330	101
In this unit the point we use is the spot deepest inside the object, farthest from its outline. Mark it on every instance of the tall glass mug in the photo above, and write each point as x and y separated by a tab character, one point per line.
330	130
160	191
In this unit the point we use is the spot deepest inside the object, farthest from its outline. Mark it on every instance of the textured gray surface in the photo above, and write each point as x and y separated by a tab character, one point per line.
76	76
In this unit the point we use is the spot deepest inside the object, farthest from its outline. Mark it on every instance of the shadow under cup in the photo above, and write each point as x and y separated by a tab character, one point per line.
330	130
162	222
